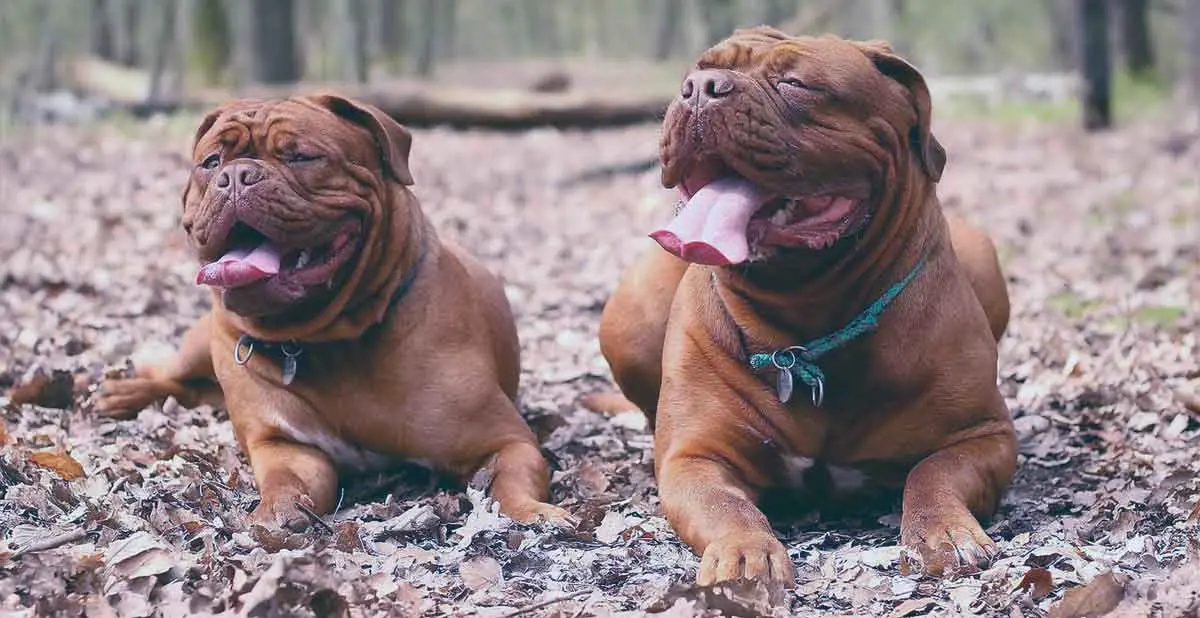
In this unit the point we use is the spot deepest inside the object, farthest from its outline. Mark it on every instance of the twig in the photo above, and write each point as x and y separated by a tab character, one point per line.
547	603
316	519
50	543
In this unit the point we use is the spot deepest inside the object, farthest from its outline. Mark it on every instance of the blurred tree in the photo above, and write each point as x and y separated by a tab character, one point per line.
211	39
1136	41
720	19
351	18
1096	64
670	16
267	45
127	48
163	49
391	32
100	31
427	43
543	26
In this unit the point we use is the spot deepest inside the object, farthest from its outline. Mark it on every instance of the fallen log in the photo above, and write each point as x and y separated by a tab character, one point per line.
414	104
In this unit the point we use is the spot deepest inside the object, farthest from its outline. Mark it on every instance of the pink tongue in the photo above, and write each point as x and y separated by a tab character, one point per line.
242	266
711	228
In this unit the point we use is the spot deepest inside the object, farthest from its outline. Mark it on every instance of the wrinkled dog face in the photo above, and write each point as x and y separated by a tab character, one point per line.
281	197
779	142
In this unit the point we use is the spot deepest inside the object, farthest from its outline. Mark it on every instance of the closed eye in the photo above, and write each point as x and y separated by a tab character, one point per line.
301	157
795	83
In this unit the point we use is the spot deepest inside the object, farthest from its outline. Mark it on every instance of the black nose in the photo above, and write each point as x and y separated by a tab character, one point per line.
707	85
239	176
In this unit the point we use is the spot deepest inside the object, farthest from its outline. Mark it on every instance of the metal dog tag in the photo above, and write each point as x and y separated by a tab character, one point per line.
784	385
290	364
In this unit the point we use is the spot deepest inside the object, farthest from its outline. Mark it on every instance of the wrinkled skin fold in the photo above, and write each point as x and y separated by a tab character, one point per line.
811	168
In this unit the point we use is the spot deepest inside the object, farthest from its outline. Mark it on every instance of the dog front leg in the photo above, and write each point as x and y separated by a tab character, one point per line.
290	474
946	492
715	513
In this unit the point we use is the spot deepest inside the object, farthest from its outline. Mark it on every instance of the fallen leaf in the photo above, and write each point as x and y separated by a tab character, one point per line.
480	572
911	606
61	464
1096	598
592	479
610	527
55	390
1038	581
140	555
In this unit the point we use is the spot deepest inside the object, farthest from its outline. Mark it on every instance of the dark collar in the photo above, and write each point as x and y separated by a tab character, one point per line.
292	350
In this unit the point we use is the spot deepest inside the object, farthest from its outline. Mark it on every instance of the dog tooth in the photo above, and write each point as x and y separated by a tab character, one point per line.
302	261
779	218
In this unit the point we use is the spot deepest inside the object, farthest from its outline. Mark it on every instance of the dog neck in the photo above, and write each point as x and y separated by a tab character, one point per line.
810	294
385	266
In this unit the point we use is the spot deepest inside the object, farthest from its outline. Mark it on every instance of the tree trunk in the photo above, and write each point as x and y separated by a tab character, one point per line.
1191	33
1096	64
670	18
127	47
392	32
351	18
447	22
427	45
720	18
162	49
100	32
1136	38
269	40
211	39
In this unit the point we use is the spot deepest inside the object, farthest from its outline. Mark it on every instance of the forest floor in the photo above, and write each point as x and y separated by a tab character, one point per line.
147	516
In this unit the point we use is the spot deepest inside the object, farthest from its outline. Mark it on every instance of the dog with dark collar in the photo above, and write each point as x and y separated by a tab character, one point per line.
344	334
810	313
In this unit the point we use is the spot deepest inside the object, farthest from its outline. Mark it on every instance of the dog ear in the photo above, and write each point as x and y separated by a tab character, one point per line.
393	140
929	151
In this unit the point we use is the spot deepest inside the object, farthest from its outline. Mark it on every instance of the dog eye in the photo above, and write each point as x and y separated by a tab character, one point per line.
211	162
795	83
300	157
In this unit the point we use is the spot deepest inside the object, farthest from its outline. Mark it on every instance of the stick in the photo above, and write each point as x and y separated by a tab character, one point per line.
316	519
537	606
50	543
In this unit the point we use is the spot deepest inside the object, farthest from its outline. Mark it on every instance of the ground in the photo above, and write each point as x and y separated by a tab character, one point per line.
1097	234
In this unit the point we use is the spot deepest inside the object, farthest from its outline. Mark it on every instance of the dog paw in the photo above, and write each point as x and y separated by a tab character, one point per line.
540	512
948	549
283	512
123	398
751	556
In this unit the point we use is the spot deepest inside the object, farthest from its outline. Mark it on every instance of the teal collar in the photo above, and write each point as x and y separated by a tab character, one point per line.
800	361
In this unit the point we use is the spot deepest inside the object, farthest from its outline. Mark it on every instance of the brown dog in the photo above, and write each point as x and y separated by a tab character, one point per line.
344	334
810	217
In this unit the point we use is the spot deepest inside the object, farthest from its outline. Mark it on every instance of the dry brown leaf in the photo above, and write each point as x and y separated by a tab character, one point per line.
1195	514
911	606
480	572
140	555
61	464
55	390
1038	581
592	478
1096	598
3	433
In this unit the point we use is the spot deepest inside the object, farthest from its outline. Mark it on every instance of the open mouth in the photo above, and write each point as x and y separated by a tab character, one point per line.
250	257
726	219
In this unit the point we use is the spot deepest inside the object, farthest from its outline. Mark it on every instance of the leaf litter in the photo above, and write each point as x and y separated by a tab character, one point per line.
147	516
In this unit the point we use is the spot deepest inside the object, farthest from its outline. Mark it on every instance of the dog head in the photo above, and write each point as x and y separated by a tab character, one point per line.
287	198
781	143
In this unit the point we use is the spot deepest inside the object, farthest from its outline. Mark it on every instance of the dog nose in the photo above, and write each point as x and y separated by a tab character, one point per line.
704	86
239	176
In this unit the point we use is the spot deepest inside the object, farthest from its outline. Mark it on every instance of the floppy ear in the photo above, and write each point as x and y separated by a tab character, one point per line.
929	151
393	140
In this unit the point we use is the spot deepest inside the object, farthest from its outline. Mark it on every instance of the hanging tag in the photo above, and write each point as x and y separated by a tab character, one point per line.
290	364
783	387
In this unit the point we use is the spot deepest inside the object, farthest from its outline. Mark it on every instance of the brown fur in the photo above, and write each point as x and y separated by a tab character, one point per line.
913	404
430	377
